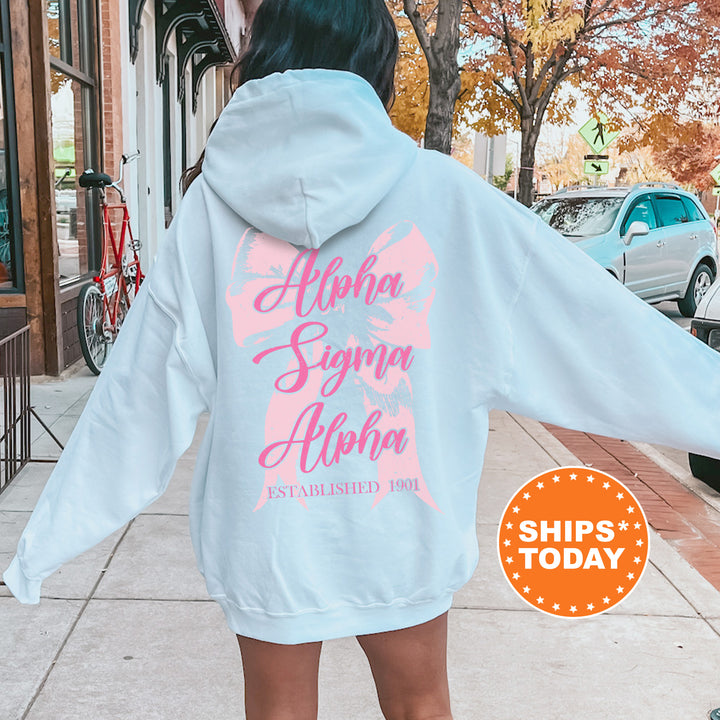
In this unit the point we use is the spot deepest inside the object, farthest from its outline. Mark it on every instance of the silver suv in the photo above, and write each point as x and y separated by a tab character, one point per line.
655	238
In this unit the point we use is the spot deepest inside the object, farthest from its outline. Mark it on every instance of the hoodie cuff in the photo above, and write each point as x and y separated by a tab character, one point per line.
25	589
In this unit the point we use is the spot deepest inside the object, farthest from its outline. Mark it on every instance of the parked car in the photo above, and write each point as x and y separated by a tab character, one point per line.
655	238
706	327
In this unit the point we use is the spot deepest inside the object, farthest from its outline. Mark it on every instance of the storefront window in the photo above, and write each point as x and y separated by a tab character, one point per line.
69	157
60	29
10	268
74	145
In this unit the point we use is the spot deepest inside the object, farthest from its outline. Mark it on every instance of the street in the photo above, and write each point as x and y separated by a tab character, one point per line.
670	310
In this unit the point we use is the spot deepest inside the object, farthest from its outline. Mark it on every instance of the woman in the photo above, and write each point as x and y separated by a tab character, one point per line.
409	665
348	307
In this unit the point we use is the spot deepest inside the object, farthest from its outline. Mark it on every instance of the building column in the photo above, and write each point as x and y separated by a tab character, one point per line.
31	71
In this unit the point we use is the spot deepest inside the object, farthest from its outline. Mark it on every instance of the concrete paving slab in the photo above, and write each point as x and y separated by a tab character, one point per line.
202	423
488	588
155	560
513	457
79	405
30	637
346	685
75	579
655	595
652	656
549	443
513	450
36	428
176	499
24	489
690	583
75	371
45	446
506	665
126	659
494	492
146	660
56	397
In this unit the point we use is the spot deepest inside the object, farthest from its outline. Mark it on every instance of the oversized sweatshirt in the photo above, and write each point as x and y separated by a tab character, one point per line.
348	307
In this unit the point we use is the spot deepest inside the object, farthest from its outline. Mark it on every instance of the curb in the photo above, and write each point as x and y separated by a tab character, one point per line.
698	487
687	580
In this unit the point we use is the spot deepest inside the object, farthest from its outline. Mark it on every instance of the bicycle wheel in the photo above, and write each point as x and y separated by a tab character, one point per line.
90	315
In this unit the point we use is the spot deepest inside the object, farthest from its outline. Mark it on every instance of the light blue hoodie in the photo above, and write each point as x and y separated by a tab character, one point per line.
348	307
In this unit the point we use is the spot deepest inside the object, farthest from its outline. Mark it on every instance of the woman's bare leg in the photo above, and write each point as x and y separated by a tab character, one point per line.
281	681
410	670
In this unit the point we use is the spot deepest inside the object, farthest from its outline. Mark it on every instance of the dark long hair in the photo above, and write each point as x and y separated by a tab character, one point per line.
355	35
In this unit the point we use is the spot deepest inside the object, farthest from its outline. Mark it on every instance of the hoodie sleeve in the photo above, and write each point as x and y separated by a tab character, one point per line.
587	354
139	419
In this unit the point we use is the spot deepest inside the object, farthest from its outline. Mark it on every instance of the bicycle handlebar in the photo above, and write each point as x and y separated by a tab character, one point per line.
123	161
89	178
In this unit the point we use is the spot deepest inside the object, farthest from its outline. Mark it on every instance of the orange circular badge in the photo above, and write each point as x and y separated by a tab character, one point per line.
573	542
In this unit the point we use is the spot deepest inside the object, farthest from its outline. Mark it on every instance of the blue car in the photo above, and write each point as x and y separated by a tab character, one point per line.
655	238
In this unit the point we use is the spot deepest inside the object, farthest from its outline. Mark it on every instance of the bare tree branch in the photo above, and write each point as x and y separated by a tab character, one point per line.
552	85
529	71
512	98
411	10
547	65
590	29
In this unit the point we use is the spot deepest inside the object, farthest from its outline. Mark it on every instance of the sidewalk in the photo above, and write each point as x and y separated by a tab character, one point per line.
126	631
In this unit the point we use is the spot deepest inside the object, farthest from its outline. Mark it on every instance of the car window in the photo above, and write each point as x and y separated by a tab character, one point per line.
579	216
692	210
642	210
671	210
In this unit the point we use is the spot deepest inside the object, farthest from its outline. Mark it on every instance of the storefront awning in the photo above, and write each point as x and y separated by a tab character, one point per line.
201	38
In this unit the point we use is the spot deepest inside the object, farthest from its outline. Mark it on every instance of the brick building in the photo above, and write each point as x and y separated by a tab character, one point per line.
81	83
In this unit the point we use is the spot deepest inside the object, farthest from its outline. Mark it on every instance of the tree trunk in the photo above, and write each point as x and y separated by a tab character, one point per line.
526	171
441	51
444	89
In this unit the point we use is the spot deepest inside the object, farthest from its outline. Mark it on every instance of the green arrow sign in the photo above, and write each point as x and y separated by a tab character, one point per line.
715	175
596	167
596	133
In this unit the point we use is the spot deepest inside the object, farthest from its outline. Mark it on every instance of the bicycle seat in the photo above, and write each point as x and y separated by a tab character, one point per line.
94	179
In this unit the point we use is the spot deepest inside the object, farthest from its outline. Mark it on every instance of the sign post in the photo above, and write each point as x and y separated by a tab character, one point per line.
596	134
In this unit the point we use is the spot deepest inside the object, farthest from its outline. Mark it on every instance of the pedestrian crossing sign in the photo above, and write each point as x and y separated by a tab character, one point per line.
596	167
596	134
715	174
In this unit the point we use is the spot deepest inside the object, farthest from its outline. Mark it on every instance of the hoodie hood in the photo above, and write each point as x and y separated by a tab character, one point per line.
304	154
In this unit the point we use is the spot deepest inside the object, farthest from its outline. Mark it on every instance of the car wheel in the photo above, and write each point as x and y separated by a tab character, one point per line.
701	280
706	469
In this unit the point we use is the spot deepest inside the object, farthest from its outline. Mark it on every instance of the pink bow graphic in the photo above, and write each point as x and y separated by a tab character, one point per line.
268	295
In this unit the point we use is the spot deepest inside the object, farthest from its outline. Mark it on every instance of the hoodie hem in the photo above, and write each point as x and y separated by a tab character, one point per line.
335	622
25	589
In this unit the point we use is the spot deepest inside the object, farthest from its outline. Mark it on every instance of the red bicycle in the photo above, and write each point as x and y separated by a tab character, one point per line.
104	302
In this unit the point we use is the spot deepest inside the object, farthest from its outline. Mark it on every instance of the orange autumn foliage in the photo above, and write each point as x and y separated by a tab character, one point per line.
691	154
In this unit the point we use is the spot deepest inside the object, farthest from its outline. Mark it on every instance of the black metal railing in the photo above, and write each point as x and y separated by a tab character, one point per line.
15	441
15	368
